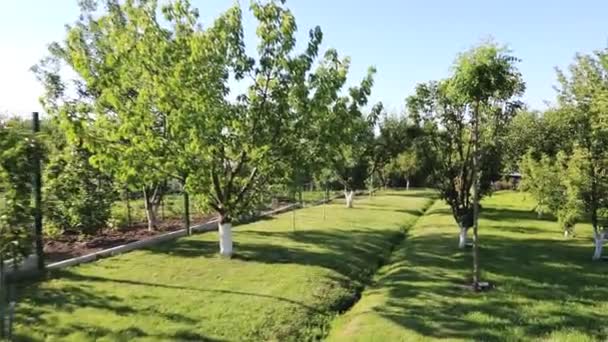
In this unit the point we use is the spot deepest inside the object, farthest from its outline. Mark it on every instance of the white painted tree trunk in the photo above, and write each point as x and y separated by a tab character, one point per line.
462	238
599	244
349	196
407	184
151	214
225	231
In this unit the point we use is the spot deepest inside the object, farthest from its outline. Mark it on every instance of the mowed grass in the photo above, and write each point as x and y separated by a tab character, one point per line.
547	286
283	283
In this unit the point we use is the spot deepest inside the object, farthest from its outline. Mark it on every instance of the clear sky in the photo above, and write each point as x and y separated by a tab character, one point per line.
409	41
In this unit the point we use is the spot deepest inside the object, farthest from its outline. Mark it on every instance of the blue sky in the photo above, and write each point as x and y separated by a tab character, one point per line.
408	41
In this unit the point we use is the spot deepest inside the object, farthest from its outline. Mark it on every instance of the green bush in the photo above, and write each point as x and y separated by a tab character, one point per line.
78	197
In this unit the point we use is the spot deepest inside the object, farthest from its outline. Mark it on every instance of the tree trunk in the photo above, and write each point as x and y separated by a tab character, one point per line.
462	237
598	237
476	199
225	232
349	196
407	184
152	200
151	216
128	204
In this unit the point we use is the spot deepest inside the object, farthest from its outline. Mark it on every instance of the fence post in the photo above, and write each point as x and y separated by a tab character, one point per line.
37	187
186	198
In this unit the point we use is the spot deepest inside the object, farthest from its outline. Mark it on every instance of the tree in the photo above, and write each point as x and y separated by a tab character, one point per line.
257	140
478	100
550	182
139	85
541	133
524	133
396	134
542	180
406	164
447	141
583	104
347	136
338	134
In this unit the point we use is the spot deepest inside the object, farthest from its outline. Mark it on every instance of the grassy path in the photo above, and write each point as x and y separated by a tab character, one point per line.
547	287
283	284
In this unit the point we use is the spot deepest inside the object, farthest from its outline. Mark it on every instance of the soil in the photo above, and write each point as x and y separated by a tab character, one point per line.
71	245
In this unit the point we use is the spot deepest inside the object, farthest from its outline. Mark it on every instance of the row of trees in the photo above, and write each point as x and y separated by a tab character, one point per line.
476	130
568	174
153	96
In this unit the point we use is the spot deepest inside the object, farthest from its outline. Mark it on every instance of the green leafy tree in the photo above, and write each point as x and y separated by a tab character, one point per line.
260	138
348	136
486	81
541	133
447	141
524	132
406	164
141	82
396	134
470	112
542	179
583	105
570	205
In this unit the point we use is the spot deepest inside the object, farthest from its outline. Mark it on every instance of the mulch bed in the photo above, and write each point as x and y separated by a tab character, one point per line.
71	245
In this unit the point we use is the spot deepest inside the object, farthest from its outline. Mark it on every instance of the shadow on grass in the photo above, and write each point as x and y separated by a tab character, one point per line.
550	275
413	193
95	279
33	310
504	214
354	254
379	207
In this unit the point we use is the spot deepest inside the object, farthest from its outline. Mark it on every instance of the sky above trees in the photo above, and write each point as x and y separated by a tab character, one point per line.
409	42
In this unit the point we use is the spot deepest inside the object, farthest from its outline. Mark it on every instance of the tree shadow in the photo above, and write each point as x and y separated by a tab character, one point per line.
511	215
34	309
379	207
90	279
413	193
355	254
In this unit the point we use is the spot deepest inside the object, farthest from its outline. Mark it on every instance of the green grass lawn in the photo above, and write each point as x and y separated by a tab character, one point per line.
547	287
283	284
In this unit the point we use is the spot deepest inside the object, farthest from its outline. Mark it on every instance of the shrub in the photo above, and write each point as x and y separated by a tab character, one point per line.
78	196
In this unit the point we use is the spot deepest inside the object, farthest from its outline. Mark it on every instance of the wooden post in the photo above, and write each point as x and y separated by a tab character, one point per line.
37	187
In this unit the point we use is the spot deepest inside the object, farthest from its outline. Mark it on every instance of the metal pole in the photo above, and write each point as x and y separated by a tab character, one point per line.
187	212
37	187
